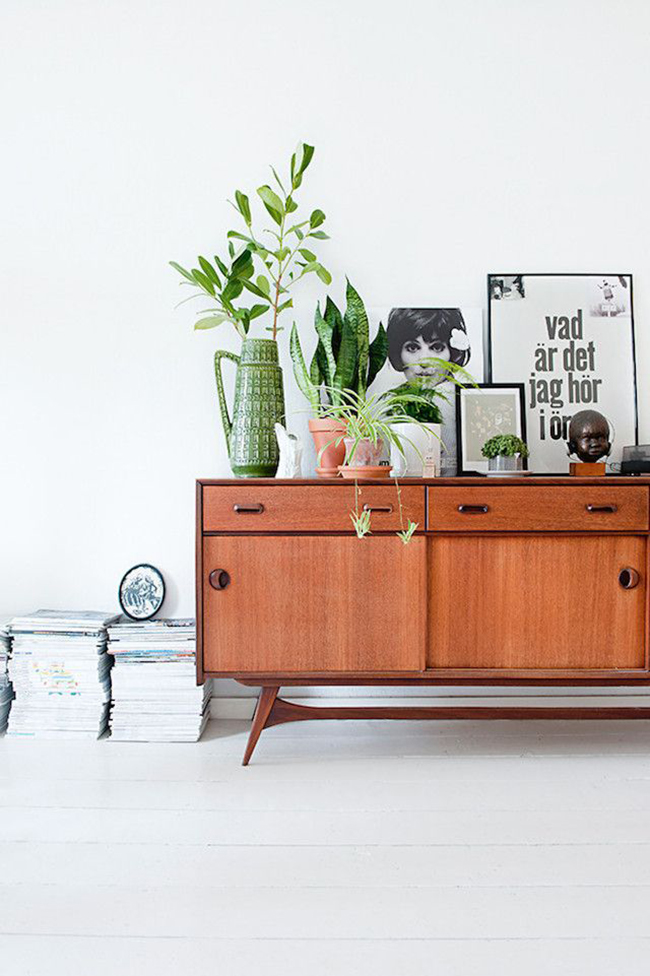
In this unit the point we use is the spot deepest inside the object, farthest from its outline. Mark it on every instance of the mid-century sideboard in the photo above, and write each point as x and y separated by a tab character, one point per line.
533	580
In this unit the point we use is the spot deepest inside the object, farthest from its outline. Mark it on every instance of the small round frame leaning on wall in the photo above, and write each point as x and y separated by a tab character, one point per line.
142	591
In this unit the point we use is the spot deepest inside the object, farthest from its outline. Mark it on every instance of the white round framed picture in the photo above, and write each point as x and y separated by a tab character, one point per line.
142	591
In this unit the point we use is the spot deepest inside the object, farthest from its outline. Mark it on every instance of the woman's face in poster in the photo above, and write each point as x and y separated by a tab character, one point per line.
415	352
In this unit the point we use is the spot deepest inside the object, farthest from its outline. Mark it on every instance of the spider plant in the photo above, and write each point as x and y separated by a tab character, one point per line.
373	419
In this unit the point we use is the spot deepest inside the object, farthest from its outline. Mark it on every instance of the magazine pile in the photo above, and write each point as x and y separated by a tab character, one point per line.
6	693
155	695
61	674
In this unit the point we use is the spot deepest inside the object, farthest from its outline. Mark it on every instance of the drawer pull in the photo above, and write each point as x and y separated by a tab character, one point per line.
473	509
219	579
602	509
248	509
628	578
378	508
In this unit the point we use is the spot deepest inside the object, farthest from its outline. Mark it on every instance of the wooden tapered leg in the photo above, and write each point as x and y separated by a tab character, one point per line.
263	709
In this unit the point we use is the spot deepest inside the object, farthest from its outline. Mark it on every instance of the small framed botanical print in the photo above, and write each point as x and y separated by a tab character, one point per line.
485	411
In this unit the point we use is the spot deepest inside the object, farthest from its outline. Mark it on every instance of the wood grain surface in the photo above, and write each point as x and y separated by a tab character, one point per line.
538	509
535	602
315	603
301	508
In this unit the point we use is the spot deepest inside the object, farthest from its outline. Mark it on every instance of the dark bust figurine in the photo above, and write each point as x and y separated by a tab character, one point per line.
589	436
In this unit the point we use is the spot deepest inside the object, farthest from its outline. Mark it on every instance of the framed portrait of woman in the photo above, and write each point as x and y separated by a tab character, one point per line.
420	342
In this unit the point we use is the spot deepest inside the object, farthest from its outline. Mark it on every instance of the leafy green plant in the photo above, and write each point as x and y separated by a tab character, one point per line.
371	418
427	408
344	359
281	259
504	445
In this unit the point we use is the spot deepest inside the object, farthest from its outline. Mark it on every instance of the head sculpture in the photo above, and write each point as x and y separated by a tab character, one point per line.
589	436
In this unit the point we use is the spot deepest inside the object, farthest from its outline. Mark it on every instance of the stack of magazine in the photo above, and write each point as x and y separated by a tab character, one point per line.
6	693
155	695
61	674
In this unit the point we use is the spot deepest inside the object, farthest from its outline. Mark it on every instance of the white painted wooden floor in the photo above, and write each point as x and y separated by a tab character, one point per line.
376	848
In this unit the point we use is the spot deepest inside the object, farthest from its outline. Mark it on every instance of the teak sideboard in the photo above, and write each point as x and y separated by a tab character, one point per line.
534	580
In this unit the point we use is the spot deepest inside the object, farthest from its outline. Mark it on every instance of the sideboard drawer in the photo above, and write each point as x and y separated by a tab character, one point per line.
588	508
307	508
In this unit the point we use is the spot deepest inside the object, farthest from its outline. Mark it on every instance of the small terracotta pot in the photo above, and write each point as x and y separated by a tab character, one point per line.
325	433
367	459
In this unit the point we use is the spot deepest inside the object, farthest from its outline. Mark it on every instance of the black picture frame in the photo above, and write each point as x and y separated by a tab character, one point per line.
157	572
463	470
566	274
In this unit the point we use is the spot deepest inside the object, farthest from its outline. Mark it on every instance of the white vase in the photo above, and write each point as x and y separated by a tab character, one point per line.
423	442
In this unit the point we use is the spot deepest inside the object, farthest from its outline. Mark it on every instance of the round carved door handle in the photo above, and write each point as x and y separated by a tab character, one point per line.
628	578
219	579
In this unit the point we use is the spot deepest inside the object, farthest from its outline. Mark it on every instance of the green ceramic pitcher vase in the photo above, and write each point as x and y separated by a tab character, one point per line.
258	406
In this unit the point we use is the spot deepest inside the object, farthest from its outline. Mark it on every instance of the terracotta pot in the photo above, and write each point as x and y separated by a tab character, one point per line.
326	433
367	459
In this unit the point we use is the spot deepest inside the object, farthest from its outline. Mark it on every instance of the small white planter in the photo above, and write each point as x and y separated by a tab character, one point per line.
424	439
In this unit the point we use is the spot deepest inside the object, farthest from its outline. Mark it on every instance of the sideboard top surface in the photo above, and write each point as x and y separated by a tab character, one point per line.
477	480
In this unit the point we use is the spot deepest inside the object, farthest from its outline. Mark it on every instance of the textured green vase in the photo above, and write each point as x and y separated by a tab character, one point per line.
258	406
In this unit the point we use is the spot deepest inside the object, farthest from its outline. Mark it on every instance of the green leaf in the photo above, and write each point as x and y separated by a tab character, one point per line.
299	163
232	290
257	310
281	253
356	312
263	284
244	206
317	218
299	234
307	154
210	322
346	370
290	205
222	267
305	385
272	202
249	286
240	237
209	271
335	321
242	267
307	255
377	353
279	181
325	335
203	280
324	274
320	234
287	304
186	274
231	249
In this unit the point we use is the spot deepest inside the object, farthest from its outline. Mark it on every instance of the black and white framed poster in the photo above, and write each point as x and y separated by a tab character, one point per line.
418	335
485	411
570	339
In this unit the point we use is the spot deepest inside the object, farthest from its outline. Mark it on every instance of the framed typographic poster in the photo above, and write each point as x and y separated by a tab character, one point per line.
570	339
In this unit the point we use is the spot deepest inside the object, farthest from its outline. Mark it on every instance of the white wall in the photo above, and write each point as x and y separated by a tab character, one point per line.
452	138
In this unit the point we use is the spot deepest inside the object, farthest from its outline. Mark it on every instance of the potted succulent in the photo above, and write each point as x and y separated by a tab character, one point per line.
266	265
506	454
344	360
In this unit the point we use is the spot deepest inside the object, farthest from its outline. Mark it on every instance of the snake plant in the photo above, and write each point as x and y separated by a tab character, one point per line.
344	359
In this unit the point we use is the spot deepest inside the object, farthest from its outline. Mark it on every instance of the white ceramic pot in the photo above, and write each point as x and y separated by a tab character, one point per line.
423	442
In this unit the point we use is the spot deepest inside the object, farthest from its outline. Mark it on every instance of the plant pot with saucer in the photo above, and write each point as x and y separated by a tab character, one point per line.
344	360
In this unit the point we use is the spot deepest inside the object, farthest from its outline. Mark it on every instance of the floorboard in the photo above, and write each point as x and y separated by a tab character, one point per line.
346	848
